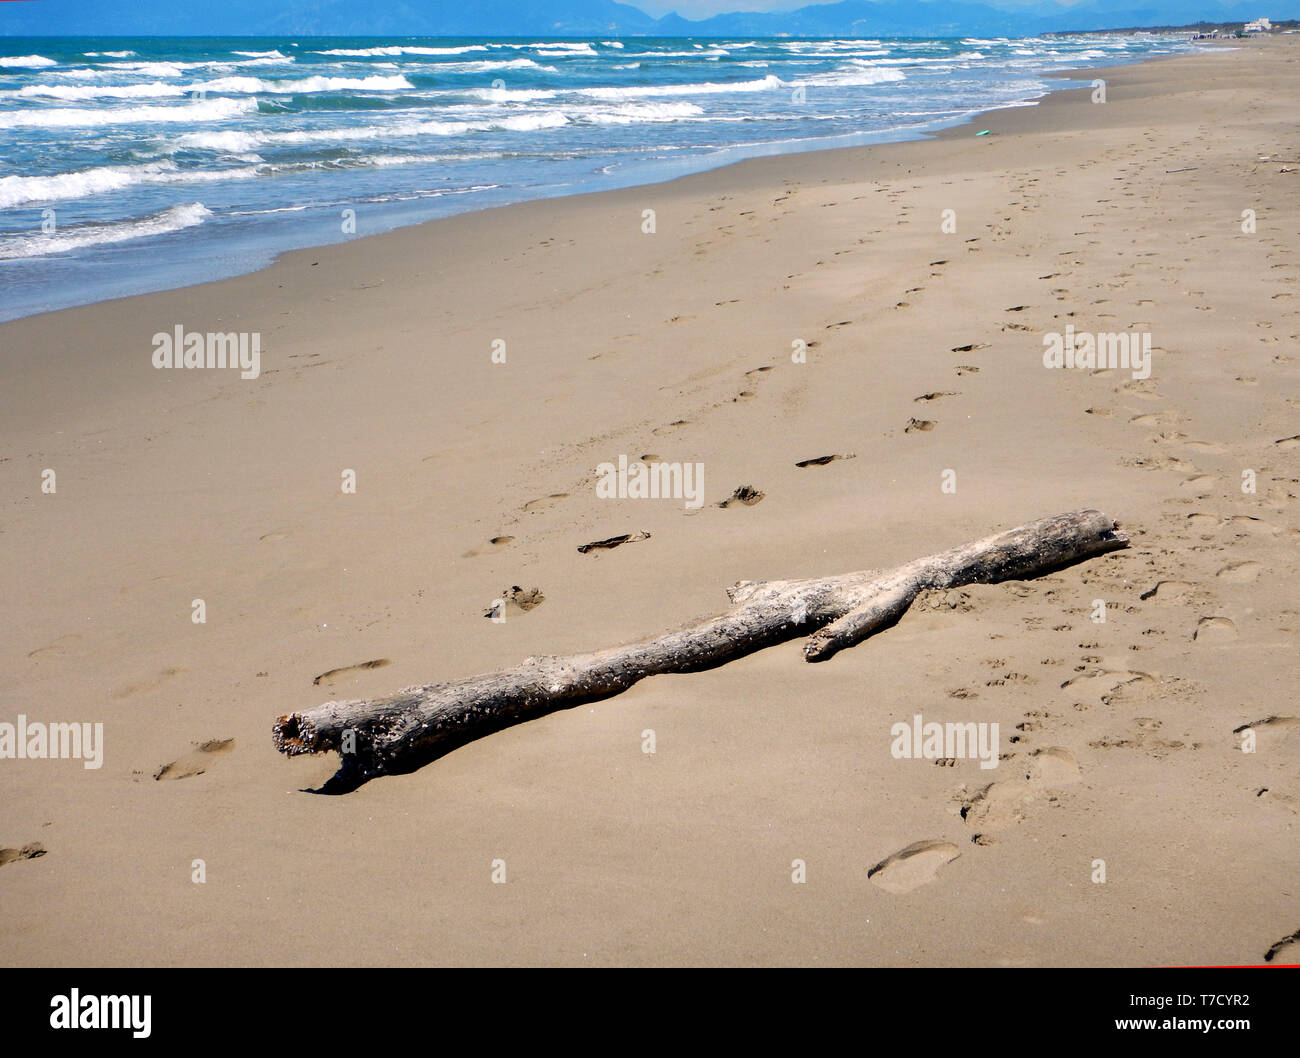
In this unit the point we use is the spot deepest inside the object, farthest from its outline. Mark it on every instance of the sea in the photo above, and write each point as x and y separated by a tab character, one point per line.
139	164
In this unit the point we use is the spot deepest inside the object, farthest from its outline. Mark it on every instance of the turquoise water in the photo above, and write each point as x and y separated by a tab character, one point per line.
129	165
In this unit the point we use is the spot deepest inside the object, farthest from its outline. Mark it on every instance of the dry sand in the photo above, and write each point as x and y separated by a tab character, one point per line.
1118	737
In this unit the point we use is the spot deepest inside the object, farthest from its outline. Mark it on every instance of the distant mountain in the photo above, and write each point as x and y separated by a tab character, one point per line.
941	18
578	18
346	18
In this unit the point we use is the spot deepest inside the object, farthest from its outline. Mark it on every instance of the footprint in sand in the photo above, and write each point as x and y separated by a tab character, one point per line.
60	646
147	685
1240	572
274	535
545	501
31	851
1288	442
198	762
1054	766
1139	388
1156	418
1271	733
495	542
517	600
1003	804
966	369
999	805
1199	483
1214	630
919	426
1168	589
1111	685
1142	737
913	866
1245	523
821	461
1277	797
328	677
661	430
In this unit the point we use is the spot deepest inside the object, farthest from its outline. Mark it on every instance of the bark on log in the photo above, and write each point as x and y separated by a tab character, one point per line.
417	725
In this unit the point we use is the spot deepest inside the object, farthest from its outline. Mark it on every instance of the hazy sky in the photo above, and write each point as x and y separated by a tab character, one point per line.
705	8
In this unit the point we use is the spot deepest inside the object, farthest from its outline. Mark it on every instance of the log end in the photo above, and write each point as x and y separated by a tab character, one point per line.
293	735
1116	535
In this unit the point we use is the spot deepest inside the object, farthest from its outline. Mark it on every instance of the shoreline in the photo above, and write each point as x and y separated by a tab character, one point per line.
267	258
923	357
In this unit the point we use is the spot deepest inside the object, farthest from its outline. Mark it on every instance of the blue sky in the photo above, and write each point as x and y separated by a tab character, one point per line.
705	8
582	17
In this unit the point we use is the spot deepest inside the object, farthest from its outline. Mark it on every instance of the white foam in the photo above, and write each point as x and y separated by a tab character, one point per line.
562	48
229	142
488	65
155	90
399	49
108	54
177	218
849	77
236	142
677	54
208	110
305	85
31	61
636	113
767	84
21	190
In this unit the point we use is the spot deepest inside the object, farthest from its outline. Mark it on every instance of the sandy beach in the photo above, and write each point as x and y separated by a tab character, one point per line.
1121	741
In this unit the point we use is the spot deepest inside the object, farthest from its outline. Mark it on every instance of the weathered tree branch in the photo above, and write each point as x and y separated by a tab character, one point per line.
417	725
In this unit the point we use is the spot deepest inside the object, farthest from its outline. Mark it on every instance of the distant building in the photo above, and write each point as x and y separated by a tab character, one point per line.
1260	25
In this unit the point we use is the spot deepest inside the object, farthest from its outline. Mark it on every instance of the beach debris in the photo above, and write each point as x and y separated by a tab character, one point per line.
374	663
1185	169
821	461
746	494
28	852
613	541
984	133
1279	945
515	598
420	724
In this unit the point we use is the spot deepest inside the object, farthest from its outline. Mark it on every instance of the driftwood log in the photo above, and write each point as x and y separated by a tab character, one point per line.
417	725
